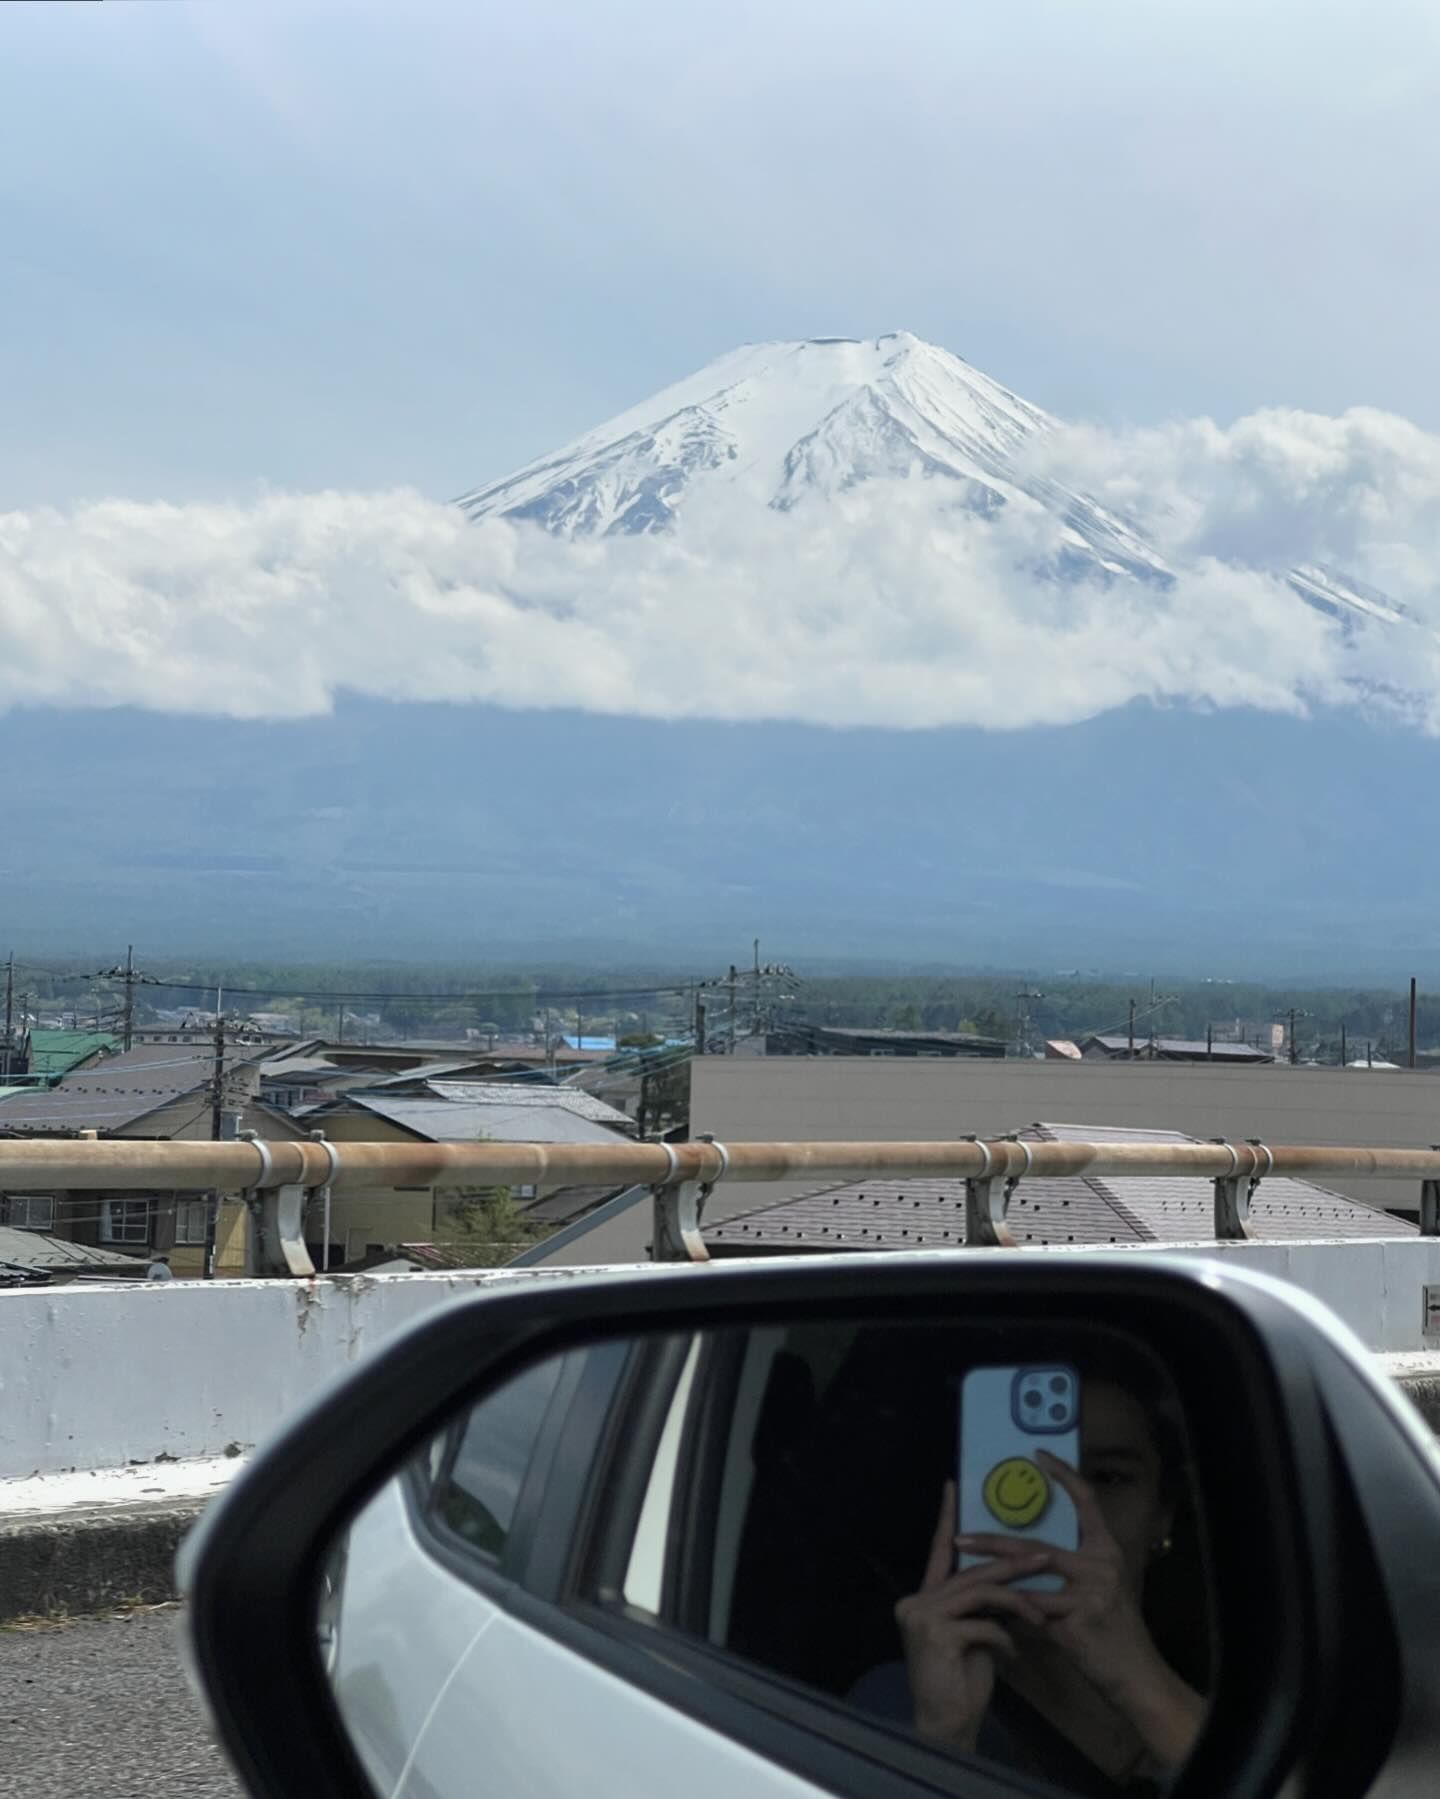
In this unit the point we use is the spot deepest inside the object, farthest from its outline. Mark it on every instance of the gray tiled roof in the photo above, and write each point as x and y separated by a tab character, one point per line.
930	1214
1196	1048
38	1249
516	1093
512	1119
122	1088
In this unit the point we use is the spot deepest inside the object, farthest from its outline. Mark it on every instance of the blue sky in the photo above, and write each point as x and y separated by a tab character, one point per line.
361	246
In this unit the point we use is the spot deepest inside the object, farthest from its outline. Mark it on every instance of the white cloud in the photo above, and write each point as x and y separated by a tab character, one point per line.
879	608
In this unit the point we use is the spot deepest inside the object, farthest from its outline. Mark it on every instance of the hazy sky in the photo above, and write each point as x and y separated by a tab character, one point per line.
360	246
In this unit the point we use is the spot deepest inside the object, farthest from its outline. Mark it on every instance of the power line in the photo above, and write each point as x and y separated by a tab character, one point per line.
537	994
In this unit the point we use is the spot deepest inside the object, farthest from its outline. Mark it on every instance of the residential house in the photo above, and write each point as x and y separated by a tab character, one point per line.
446	1112
309	1071
46	1056
154	1091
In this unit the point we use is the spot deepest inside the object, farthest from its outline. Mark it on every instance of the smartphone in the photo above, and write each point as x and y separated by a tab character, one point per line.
1006	1414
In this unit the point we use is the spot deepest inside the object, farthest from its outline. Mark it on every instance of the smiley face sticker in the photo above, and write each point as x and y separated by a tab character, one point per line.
1016	1492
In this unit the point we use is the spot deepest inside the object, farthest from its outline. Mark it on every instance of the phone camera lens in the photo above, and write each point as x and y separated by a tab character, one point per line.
1059	1413
1059	1383
1032	1398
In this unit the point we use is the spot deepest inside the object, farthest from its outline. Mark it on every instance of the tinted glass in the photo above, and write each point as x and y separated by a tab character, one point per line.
477	1492
961	1534
982	1533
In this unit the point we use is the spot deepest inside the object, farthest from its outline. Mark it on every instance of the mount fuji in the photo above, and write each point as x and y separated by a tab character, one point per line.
1150	832
793	425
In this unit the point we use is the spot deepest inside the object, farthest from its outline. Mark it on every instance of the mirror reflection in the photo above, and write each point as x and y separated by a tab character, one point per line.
977	1538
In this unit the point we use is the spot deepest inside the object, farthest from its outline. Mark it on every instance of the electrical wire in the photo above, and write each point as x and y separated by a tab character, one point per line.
538	995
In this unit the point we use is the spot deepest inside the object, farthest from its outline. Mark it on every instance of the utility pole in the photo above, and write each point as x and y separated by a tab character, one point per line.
732	1008
1132	1030
9	1013
1294	1013
340	1022
130	978
217	1074
1344	1052
127	1029
217	1101
1411	1062
699	1005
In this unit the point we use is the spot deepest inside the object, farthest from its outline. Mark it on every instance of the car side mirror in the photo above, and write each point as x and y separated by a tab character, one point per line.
905	1527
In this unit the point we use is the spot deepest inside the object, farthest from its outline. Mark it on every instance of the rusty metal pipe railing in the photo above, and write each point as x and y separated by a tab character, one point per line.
49	1164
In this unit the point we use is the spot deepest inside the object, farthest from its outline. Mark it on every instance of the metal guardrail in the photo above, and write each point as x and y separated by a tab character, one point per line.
281	1179
27	1163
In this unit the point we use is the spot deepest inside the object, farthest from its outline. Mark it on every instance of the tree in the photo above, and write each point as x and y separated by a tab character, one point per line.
483	1226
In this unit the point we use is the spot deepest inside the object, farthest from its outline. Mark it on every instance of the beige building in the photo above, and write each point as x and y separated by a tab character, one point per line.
441	1111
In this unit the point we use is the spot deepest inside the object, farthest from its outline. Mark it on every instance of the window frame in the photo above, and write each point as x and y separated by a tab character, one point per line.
458	1552
123	1237
29	1201
184	1207
553	1489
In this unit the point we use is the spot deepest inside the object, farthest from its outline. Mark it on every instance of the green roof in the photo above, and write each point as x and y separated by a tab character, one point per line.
53	1053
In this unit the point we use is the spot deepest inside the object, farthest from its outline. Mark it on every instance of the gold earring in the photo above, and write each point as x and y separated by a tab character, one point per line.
1163	1547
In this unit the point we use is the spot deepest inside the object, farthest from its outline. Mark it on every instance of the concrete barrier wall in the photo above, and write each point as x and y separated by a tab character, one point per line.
100	1377
104	1377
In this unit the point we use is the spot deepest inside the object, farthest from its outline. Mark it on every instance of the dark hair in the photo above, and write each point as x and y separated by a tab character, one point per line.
1134	1373
1176	1599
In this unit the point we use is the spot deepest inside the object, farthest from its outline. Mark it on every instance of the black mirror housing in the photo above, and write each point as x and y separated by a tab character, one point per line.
1290	1435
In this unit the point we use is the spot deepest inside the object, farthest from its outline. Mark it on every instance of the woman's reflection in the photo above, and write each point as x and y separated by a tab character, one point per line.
1070	1683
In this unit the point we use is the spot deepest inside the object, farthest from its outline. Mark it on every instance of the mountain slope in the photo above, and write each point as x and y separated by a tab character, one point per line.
1087	845
788	425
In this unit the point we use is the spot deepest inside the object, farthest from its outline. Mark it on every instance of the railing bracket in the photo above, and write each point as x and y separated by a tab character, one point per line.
679	1207
1430	1205
278	1211
985	1226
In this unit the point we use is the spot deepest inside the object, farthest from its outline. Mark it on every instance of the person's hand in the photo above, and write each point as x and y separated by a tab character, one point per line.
1096	1622
950	1645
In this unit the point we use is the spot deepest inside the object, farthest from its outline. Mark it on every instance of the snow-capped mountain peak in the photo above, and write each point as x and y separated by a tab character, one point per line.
781	420
789	424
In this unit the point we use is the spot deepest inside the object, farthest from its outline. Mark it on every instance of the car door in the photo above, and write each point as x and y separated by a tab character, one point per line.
399	1622
471	1578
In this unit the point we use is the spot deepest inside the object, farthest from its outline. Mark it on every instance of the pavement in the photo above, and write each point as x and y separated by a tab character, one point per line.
99	1709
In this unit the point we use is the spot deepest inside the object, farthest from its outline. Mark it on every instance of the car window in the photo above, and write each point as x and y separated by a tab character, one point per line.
645	1570
478	1487
805	1489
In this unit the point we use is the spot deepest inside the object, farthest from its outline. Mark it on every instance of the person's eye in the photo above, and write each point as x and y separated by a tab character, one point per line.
1112	1477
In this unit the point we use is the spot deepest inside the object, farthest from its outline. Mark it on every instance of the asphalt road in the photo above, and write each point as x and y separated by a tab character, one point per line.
100	1709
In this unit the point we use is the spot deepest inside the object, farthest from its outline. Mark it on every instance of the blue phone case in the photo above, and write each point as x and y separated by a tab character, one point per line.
1006	1414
